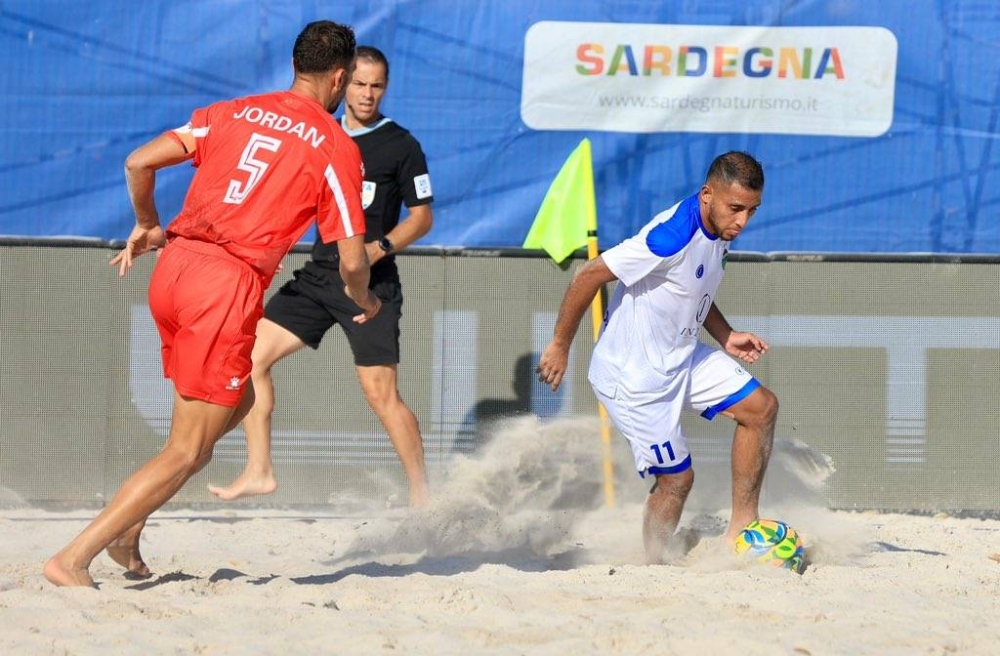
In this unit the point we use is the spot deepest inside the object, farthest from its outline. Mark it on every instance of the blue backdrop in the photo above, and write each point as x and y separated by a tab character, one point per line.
85	83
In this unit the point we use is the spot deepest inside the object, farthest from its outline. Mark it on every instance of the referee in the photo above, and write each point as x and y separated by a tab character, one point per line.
306	307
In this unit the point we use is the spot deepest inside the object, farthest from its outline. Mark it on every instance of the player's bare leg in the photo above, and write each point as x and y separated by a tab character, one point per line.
755	418
194	430
124	550
273	344
662	512
379	386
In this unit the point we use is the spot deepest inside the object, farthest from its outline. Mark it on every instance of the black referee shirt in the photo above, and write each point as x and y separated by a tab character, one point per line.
395	173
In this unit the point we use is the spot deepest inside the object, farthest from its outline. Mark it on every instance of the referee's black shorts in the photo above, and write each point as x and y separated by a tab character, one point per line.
314	300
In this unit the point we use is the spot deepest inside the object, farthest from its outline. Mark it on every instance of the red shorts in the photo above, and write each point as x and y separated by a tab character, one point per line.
206	304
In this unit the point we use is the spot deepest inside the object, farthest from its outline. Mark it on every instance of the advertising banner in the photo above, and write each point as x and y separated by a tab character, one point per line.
875	122
688	78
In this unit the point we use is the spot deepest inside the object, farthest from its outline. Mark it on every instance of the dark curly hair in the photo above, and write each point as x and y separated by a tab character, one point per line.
323	46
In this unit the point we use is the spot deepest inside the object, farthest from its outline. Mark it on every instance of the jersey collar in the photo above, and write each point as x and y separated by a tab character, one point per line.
363	130
695	210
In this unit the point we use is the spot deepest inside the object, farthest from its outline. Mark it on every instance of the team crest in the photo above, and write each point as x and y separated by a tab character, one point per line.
367	194
234	383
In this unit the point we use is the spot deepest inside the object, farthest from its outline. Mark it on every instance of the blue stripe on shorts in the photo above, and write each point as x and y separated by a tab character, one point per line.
683	465
731	400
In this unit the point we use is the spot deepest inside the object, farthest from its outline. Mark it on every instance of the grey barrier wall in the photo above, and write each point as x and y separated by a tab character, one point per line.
888	367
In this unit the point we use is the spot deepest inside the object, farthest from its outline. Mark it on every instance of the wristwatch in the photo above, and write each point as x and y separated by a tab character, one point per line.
385	244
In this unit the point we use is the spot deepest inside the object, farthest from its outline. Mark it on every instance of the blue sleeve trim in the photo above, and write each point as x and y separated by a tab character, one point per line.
669	237
683	465
731	400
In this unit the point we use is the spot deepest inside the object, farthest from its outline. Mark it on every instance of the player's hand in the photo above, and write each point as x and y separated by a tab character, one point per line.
142	240
369	305
745	346
552	365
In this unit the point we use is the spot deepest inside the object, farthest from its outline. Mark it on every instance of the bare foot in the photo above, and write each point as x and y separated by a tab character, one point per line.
246	485
682	542
125	552
63	574
655	559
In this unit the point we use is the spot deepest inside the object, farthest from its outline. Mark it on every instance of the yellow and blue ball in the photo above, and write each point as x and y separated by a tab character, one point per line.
772	542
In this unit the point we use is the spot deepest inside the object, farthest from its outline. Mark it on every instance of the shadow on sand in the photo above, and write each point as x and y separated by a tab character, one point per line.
429	565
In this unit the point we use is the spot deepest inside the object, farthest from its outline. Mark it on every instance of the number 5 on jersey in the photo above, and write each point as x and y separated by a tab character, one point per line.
255	168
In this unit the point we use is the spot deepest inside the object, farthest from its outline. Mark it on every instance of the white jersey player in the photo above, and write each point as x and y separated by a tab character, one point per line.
648	364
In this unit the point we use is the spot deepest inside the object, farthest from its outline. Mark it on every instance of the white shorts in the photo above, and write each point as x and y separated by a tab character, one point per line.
711	383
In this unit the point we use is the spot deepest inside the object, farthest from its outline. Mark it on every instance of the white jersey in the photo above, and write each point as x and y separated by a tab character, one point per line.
669	273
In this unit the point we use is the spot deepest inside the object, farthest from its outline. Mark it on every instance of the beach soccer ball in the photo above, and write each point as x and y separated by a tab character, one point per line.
772	542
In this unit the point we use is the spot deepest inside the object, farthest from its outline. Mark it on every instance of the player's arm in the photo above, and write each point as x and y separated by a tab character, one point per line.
141	166
140	177
743	345
355	271
340	206
414	226
587	281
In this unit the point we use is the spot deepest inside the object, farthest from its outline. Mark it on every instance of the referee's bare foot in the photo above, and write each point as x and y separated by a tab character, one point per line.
245	486
125	552
60	572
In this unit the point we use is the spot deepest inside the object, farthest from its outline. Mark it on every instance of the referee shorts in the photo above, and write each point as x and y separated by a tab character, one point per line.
314	300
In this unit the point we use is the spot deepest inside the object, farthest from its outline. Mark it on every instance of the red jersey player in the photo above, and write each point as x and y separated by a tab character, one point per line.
267	167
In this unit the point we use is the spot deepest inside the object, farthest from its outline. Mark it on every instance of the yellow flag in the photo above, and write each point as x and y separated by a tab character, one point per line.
568	211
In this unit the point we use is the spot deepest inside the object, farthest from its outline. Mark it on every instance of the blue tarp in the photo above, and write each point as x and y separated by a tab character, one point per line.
85	83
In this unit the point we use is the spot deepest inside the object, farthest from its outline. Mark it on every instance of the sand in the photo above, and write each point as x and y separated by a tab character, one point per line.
515	555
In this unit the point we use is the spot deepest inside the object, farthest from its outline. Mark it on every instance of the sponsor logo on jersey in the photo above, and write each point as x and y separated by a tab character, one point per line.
700	271
367	194
703	307
422	183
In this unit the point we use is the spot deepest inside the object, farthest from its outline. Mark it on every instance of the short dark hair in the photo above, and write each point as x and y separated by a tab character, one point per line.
739	167
373	54
323	46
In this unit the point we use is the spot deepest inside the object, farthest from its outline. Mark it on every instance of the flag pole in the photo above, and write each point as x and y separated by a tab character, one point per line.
597	316
568	214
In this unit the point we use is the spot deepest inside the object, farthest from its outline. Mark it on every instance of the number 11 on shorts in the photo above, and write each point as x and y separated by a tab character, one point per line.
659	454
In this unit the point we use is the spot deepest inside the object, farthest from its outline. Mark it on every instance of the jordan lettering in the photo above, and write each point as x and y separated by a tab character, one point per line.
280	123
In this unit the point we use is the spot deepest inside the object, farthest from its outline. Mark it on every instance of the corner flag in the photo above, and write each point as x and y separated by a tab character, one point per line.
566	221
568	211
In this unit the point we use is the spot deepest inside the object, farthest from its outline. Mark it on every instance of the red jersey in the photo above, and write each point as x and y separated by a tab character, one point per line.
268	166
